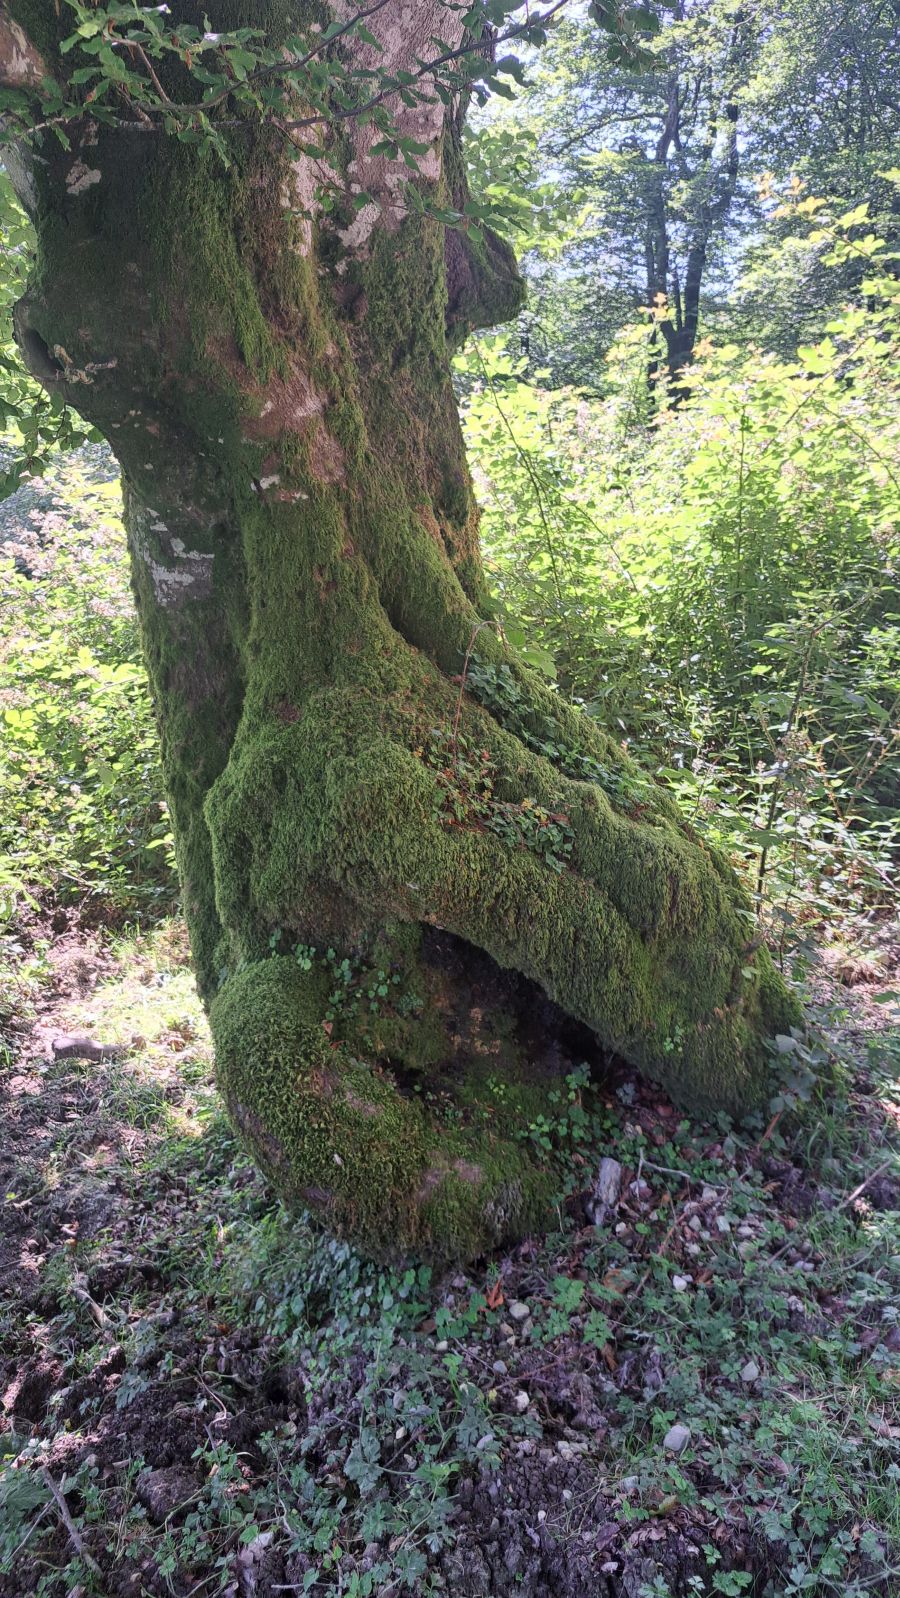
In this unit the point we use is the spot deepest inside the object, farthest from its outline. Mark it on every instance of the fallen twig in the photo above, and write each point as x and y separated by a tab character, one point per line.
659	1253
66	1048
75	1536
99	1313
770	1130
857	1191
29	1534
674	1170
844	1204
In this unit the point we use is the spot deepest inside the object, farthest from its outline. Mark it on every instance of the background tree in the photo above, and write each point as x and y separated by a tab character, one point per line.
663	175
826	113
410	871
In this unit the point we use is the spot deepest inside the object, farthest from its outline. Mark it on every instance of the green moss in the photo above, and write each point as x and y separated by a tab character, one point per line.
641	939
293	426
274	17
338	1137
193	656
485	285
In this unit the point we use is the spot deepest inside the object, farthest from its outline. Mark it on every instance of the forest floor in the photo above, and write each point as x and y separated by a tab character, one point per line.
199	1395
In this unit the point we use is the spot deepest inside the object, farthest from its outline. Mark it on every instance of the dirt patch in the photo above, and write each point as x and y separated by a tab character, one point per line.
545	1529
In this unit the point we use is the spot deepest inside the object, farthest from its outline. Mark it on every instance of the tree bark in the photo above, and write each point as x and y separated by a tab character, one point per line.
417	883
713	182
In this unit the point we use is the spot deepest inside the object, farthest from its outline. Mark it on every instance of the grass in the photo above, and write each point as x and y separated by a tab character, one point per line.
310	1422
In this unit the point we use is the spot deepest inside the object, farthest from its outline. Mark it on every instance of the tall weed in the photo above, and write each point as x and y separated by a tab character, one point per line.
715	574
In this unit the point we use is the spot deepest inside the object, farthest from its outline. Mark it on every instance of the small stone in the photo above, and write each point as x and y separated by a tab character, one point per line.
251	1554
745	1231
521	1402
564	1450
676	1439
750	1372
693	1249
499	1368
604	1197
723	1224
566	1495
628	1484
695	1223
542	1516
681	1283
709	1193
442	1346
506	1329
518	1311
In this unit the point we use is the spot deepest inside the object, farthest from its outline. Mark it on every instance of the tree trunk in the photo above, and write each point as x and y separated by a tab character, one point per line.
413	899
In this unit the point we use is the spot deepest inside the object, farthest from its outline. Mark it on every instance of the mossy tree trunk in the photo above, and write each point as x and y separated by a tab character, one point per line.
406	892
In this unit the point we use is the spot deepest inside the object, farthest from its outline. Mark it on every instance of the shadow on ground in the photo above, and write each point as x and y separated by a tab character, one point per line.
200	1395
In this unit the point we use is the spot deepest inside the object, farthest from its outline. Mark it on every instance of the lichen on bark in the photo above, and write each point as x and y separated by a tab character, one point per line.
305	554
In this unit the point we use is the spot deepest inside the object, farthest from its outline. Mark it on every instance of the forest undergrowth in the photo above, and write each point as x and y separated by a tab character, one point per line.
693	1392
691	523
690	1387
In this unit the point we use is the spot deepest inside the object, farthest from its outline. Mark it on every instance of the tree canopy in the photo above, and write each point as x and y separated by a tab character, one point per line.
659	176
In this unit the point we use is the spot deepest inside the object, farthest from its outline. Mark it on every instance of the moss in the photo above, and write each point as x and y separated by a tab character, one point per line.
291	422
339	1138
484	285
198	707
273	17
641	940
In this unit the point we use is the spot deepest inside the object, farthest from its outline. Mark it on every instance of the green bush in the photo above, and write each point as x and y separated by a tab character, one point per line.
715	574
80	783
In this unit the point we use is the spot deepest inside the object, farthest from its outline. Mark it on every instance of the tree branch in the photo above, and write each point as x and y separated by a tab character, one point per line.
288	68
416	82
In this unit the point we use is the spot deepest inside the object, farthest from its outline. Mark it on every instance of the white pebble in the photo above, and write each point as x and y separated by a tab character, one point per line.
676	1439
